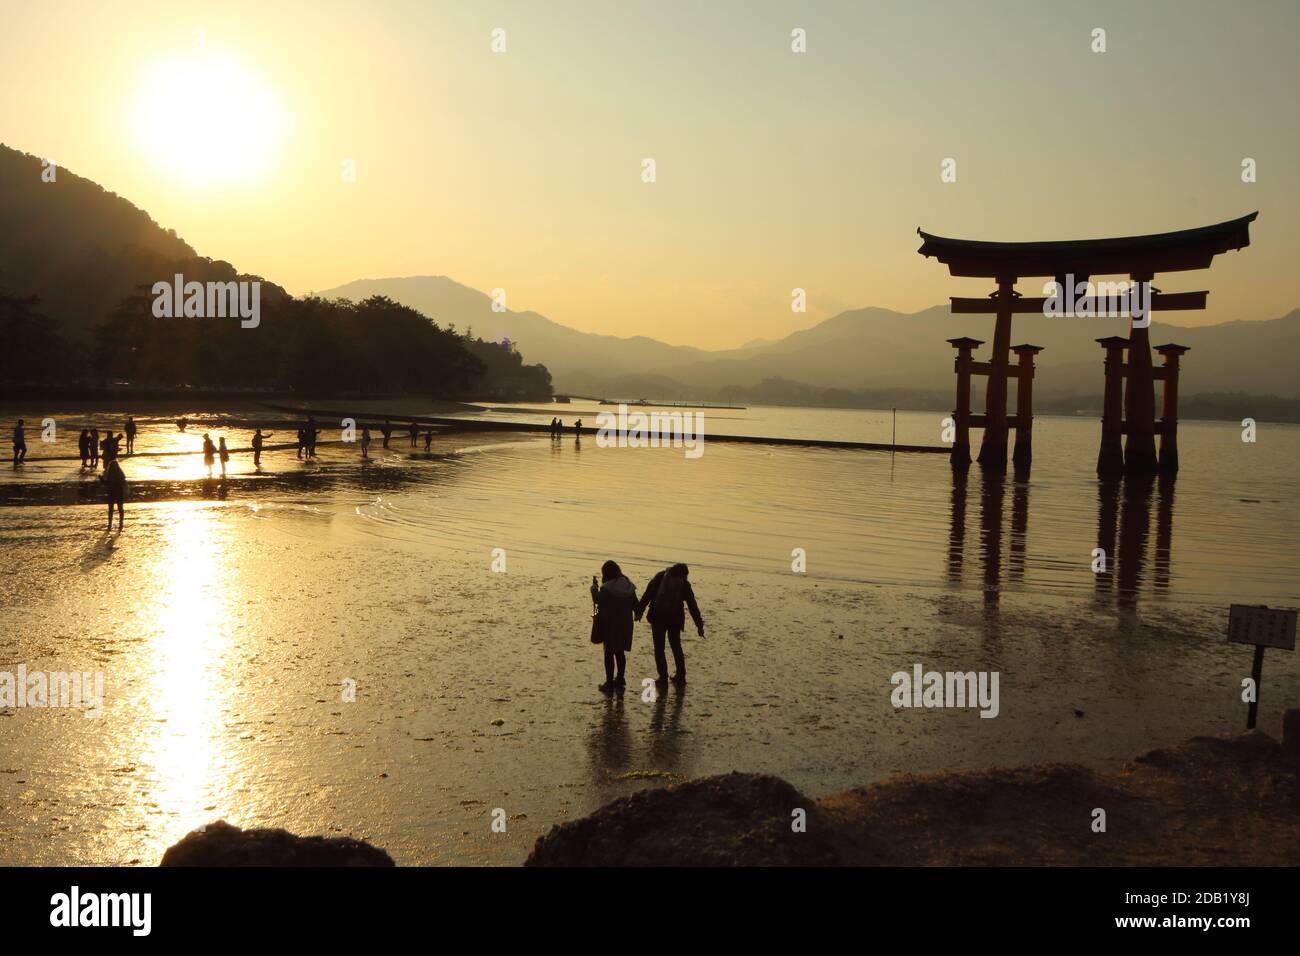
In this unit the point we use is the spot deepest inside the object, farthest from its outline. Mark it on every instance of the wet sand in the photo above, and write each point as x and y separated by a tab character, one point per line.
227	616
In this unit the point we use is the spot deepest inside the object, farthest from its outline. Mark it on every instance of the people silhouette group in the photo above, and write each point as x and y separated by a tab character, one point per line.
616	609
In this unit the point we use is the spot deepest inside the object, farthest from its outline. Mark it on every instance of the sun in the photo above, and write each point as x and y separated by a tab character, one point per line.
206	119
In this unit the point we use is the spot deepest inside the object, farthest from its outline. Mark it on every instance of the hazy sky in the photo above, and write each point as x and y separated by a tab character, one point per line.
523	170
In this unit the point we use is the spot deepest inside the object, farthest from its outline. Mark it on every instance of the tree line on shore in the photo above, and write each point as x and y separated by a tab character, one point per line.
305	345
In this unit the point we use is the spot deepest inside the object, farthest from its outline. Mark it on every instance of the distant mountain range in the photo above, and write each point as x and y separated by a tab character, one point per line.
867	349
82	249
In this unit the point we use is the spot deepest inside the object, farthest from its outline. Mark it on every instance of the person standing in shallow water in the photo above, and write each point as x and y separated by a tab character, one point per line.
616	604
83	446
93	446
664	595
365	442
20	444
130	434
114	480
223	453
258	438
209	453
386	431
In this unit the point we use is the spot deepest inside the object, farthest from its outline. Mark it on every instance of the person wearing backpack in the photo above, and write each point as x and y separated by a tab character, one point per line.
665	595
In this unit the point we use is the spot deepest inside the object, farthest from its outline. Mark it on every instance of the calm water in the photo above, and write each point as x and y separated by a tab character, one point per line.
227	615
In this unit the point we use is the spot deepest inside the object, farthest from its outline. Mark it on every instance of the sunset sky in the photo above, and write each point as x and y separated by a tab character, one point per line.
522	170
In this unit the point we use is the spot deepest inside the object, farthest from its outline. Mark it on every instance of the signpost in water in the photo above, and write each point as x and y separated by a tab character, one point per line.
1264	627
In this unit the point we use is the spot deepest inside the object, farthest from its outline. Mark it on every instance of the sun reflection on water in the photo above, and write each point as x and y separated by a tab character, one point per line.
189	640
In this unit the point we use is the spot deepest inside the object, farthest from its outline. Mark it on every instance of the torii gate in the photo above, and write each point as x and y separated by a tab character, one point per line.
1138	257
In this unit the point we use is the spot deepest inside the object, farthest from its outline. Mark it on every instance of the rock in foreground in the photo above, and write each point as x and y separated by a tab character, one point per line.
738	819
220	844
1232	800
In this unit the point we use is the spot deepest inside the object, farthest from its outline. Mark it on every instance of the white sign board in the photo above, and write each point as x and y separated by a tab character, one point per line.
1263	626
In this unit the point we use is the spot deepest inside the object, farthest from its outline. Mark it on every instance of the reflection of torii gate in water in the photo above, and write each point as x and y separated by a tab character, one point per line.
1128	410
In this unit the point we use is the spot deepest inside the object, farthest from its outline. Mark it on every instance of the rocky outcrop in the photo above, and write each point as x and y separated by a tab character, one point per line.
1231	800
220	844
739	819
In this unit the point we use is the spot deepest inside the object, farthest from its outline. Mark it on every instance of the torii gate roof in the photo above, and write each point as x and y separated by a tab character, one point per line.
1161	252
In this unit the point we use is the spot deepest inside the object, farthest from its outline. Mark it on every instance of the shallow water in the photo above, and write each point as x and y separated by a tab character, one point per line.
226	616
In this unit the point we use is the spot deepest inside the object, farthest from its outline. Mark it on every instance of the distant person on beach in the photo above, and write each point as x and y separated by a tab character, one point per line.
93	445
312	433
415	430
83	446
115	481
181	423
223	453
258	438
664	595
109	448
209	453
302	441
554	421
20	444
616	604
577	427
130	434
428	440
365	441
386	431
559	427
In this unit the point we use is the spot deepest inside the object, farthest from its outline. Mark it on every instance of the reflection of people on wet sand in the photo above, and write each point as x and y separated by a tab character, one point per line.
20	444
665	595
209	453
115	481
223	453
615	600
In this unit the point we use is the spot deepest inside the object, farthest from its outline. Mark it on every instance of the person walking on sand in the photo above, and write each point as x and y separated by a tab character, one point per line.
616	604
428	440
386	431
93	445
365	441
302	441
114	480
209	453
664	595
258	438
83	447
223	453
20	443
130	434
415	431
577	428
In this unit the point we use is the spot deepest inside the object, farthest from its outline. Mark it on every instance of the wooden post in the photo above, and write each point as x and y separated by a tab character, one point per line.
1169	406
1024	452
1256	673
1140	398
993	449
1110	458
960	457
